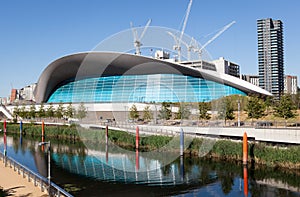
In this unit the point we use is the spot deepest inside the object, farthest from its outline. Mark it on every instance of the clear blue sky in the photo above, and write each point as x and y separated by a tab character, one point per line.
34	33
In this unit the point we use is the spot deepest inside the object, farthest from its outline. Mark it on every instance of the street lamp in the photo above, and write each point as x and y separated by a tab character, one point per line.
49	163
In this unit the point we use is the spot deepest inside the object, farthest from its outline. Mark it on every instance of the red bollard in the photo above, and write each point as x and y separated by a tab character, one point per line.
137	160
43	128
106	153
137	138
4	125
245	181
106	134
245	149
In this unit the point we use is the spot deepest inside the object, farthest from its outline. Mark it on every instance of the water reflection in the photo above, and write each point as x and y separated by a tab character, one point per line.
73	163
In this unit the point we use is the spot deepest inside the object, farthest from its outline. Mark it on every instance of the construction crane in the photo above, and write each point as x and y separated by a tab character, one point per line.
178	41
199	50
177	46
186	19
189	47
137	39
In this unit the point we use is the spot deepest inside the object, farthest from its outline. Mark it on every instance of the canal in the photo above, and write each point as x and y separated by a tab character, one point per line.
106	172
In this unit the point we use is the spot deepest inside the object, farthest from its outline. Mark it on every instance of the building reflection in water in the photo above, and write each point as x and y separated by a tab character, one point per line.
128	168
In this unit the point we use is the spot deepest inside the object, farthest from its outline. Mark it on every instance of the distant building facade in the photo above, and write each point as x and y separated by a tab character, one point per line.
23	94
13	95
3	101
26	93
227	67
200	64
254	79
290	84
270	55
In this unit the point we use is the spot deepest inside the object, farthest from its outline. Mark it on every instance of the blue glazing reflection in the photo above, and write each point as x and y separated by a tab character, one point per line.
141	88
95	168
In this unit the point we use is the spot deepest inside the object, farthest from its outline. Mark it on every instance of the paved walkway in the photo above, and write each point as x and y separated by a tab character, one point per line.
15	185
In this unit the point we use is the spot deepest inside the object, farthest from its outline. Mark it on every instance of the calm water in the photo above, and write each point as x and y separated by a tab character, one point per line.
107	173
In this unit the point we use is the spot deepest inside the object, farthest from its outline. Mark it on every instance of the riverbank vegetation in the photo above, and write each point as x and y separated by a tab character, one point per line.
285	156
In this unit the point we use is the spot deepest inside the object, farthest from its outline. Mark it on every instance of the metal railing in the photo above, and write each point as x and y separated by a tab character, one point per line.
147	130
215	123
38	180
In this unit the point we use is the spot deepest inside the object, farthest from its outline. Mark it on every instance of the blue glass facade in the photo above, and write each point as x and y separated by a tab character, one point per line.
141	88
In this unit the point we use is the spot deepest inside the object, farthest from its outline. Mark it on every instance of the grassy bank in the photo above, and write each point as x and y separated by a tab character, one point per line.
287	156
31	129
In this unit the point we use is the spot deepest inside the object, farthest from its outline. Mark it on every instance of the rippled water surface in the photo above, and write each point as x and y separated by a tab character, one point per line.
106	173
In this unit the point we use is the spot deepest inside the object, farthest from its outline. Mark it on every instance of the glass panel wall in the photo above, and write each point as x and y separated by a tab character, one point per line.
141	88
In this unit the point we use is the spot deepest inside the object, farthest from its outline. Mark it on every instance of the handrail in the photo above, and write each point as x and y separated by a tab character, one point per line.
37	179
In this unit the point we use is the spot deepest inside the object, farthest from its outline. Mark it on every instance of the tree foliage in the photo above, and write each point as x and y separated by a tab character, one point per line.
183	112
50	111
296	100
23	113
69	112
255	108
32	111
204	107
134	114
285	108
225	110
41	113
147	115
165	111
59	111
16	111
81	111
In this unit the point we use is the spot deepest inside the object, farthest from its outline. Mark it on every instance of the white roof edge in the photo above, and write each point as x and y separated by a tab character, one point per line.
238	82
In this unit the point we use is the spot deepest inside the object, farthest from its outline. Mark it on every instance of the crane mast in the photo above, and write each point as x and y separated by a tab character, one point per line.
178	41
137	39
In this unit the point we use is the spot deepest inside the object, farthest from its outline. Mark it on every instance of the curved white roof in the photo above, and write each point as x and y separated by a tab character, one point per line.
100	64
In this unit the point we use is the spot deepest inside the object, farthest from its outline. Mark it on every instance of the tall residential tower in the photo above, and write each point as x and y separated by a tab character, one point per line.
270	55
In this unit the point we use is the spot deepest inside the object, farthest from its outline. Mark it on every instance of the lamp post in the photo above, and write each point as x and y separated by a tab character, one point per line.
49	163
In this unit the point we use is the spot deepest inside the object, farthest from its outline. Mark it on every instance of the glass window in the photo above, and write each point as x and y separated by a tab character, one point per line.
141	88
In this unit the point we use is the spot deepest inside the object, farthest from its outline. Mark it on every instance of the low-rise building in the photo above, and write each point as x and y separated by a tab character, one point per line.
227	67
290	84
254	79
200	64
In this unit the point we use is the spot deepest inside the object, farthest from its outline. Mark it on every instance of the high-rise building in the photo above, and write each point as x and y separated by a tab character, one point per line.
290	84
270	55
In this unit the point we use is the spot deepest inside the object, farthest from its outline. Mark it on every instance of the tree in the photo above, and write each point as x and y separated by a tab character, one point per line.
50	111
23	113
296	99
147	115
59	111
255	108
183	112
32	111
203	109
70	111
41	113
226	110
285	108
81	111
134	114
165	111
16	111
